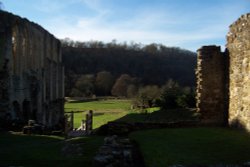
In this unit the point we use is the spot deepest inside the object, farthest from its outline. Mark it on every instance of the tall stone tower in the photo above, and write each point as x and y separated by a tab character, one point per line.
223	79
212	85
238	44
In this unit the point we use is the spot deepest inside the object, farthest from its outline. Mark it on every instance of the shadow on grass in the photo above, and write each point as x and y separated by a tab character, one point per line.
200	146
37	150
81	101
160	116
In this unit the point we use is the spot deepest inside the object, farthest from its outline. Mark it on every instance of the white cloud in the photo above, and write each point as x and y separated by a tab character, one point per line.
49	6
96	6
147	25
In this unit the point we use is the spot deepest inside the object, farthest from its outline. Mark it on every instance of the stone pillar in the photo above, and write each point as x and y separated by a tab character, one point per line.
66	125
238	44
51	79
72	120
5	66
62	83
83	124
211	85
89	122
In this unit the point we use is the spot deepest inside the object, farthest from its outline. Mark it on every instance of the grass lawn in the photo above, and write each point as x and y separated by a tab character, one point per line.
193	146
119	110
160	147
36	150
99	105
104	110
157	116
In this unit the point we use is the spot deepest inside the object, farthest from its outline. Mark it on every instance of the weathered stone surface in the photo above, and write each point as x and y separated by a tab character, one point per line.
239	51
214	75
118	152
212	85
31	72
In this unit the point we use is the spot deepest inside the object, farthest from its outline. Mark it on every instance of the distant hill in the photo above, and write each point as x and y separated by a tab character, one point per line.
152	64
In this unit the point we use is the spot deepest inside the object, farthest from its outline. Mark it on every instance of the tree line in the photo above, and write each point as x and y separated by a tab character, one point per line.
122	69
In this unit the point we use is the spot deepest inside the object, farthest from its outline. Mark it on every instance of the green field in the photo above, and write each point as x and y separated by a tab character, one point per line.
105	111
40	151
120	110
36	150
193	146
160	147
99	105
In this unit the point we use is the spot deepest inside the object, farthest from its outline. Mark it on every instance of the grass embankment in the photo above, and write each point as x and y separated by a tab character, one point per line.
40	151
193	146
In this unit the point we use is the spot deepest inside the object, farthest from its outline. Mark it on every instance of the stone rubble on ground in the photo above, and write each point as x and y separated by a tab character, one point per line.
117	152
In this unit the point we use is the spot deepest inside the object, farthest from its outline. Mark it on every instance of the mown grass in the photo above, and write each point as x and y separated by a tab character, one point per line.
154	115
37	150
99	105
119	110
160	147
193	146
104	110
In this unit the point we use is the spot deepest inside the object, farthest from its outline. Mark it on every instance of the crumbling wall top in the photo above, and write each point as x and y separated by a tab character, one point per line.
8	20
205	51
209	47
238	26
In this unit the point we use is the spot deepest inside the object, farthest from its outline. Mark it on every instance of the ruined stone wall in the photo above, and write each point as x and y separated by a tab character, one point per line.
5	54
33	65
212	80
211	87
238	44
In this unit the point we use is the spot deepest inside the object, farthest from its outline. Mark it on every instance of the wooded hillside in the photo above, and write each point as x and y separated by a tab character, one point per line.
152	64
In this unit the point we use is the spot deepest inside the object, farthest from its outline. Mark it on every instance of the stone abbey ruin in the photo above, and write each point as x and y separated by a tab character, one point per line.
223	79
31	73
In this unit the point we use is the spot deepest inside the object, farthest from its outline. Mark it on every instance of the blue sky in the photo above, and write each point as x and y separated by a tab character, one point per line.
187	24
